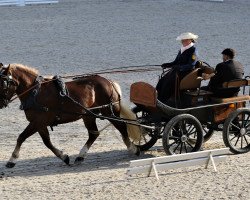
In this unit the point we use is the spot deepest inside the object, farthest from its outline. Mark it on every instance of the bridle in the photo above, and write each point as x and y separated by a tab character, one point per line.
8	86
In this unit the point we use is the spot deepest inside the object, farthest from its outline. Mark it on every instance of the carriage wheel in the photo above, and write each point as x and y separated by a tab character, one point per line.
149	137
207	133
236	131
179	132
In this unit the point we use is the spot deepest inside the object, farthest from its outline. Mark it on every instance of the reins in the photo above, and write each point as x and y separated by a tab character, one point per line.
142	68
117	70
87	111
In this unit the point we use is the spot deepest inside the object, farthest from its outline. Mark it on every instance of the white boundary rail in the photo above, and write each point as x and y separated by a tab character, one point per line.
214	0
177	161
25	2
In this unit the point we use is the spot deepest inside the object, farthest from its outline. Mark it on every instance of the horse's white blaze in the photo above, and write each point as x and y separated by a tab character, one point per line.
83	152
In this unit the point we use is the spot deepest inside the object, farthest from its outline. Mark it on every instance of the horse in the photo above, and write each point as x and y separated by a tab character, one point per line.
45	106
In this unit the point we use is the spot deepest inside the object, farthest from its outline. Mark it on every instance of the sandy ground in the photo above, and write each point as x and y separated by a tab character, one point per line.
77	36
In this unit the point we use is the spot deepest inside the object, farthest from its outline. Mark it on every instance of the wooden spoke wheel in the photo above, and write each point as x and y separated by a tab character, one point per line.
148	139
236	131
182	134
149	136
207	134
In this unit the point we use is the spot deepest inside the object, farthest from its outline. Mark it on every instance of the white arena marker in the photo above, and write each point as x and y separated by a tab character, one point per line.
177	161
25	2
217	0
21	2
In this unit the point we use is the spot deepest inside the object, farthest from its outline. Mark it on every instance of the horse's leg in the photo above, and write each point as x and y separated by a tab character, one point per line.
90	124
28	131
44	133
123	130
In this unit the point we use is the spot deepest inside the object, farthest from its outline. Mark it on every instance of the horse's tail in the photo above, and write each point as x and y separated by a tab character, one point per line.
134	132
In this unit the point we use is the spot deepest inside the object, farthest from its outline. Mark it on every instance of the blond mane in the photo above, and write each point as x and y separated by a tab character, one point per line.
25	68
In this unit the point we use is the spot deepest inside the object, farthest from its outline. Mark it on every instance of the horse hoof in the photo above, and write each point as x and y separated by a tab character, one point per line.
138	152
79	160
66	159
10	164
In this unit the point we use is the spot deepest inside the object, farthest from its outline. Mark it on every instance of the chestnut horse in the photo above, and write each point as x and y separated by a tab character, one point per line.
45	106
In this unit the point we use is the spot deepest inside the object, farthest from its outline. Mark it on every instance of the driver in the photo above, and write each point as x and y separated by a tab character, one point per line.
184	63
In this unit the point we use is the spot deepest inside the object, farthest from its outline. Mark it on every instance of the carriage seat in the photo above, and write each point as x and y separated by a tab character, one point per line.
191	94
190	81
234	84
193	80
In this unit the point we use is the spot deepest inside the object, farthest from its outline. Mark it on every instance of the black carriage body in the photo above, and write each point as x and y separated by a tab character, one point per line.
197	109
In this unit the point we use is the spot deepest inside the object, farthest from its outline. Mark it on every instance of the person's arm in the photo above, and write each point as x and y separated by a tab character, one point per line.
170	64
217	79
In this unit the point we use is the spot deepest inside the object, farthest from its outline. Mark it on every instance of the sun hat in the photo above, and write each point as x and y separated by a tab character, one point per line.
186	36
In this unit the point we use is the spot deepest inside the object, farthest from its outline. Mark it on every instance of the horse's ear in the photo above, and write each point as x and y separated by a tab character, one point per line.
6	70
1	65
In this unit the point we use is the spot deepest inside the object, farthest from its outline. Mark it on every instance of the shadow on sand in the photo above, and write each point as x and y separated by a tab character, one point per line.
52	165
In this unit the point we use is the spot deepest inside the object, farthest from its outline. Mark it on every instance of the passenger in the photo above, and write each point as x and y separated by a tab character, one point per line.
226	71
180	67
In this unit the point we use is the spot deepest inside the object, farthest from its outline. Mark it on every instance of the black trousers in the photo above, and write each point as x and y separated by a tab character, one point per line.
166	86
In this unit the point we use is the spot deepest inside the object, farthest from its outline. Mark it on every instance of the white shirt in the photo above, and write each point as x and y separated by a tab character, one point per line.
186	47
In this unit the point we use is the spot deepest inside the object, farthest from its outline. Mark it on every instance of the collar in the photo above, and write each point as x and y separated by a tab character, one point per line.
228	60
186	47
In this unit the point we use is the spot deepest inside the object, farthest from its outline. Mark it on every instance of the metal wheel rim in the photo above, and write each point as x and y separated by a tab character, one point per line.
239	131
180	138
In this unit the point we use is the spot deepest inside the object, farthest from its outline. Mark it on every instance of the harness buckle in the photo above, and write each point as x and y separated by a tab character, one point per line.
34	92
46	109
62	94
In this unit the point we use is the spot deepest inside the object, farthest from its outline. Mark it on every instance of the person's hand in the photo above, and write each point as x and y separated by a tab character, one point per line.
205	76
165	65
199	64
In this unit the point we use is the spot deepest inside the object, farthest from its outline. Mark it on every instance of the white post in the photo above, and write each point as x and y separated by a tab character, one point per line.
152	166
155	170
21	2
210	158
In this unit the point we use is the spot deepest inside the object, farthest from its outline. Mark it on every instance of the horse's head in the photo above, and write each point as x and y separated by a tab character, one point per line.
7	86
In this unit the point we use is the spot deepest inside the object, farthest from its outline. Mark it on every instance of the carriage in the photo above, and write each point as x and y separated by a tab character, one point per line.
192	117
183	124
